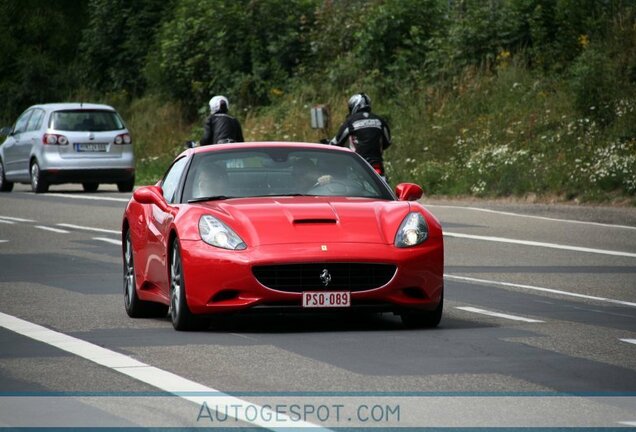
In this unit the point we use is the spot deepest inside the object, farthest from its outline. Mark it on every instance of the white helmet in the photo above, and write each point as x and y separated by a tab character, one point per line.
217	103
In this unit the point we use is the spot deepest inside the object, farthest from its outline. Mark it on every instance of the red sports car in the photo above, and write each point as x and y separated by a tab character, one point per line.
279	226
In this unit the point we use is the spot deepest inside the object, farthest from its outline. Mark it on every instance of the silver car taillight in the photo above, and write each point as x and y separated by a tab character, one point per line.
54	139
123	139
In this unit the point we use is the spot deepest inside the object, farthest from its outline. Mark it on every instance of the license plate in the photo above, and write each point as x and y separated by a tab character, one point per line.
316	299
90	147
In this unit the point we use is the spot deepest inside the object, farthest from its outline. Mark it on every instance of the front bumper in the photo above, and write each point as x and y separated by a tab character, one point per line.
219	281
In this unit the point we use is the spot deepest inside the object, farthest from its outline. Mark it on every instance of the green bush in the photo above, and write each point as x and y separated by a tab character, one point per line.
594	85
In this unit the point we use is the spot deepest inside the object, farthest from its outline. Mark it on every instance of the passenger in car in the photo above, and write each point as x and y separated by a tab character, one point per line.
210	181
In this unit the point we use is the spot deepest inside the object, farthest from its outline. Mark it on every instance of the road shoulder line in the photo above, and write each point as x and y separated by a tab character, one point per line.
159	378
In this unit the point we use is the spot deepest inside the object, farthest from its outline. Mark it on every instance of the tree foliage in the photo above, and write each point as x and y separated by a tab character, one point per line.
245	49
255	50
38	44
117	43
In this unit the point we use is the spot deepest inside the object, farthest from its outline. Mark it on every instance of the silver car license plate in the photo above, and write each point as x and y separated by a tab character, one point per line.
90	147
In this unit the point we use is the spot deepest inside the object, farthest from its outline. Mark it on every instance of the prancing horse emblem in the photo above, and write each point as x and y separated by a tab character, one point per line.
325	277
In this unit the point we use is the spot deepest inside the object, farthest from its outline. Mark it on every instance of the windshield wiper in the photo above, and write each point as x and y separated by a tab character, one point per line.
209	198
274	195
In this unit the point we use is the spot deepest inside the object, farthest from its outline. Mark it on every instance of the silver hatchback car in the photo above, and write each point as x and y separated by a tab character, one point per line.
67	143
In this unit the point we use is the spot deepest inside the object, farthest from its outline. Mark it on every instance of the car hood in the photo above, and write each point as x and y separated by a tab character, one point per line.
290	220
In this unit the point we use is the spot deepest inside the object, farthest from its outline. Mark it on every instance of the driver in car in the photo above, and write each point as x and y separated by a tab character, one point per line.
307	175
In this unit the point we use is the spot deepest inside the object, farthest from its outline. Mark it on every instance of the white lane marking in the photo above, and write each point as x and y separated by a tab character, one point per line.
8	222
15	219
497	314
56	230
540	244
79	227
606	225
107	240
631	341
536	288
4	241
87	197
628	423
159	378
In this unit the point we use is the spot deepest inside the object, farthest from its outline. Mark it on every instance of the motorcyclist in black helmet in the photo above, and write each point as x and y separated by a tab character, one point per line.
220	127
364	132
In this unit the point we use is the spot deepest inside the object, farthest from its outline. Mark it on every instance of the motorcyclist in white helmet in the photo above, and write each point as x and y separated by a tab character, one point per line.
220	127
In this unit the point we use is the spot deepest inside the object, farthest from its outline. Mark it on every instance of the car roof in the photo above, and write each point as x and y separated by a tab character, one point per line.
73	106
266	144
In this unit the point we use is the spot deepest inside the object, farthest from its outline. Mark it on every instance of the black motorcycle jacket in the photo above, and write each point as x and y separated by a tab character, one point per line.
221	128
365	133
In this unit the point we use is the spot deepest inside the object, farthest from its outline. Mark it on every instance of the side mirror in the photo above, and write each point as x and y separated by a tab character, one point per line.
5	131
153	195
408	192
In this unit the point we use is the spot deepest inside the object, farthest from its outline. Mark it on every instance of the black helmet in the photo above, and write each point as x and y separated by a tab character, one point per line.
359	102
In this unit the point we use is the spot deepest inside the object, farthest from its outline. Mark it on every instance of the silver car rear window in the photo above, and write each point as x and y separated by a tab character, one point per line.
86	120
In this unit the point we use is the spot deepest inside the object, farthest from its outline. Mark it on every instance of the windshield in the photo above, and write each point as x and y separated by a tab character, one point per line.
86	120
281	172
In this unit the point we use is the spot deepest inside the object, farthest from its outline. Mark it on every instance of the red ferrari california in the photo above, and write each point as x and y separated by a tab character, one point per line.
279	226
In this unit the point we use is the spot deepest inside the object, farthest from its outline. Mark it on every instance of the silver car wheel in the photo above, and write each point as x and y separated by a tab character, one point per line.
35	176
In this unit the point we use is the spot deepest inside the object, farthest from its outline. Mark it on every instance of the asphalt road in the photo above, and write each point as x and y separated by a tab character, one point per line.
539	329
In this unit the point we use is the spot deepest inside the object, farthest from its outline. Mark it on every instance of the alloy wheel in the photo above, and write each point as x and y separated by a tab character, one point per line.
175	284
129	273
35	176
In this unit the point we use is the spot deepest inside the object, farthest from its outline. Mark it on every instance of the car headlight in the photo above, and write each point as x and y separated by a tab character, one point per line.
413	230
216	233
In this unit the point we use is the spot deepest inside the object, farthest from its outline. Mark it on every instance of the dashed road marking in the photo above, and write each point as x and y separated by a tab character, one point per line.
15	219
107	240
536	288
540	244
631	341
86	197
605	225
85	228
498	315
56	230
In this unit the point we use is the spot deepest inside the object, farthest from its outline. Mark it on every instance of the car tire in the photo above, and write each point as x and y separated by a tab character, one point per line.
126	186
423	319
38	184
5	186
180	315
90	186
136	308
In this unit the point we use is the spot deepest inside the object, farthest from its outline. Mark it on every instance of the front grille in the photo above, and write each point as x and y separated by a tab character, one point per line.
326	276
